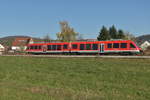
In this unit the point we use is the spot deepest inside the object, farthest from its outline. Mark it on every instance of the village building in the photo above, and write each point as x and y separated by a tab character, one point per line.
145	45
20	44
2	49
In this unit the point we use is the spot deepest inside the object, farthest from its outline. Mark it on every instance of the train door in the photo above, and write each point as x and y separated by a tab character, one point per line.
44	48
102	48
70	47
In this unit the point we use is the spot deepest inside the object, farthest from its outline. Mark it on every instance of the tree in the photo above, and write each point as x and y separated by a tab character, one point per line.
103	34
67	33
47	38
121	34
113	32
129	36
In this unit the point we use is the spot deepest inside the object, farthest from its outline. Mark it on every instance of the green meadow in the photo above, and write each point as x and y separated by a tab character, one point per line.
30	78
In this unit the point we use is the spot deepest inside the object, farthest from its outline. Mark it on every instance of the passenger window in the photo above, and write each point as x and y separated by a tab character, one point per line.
116	45
132	46
35	47
81	46
88	46
74	46
58	47
53	47
49	47
39	47
109	45
123	45
95	47
65	46
31	47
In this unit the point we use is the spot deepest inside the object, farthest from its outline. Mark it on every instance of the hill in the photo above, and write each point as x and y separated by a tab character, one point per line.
143	38
7	41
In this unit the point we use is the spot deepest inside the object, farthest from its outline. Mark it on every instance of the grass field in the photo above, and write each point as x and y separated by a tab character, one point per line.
27	78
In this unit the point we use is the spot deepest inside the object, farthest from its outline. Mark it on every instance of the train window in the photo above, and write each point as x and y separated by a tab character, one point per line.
58	47
88	46
94	46
116	45
49	47
81	46
31	47
109	45
35	47
65	46
123	45
132	46
74	46
39	47
53	47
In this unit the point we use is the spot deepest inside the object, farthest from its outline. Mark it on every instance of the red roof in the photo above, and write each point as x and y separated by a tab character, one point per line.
20	41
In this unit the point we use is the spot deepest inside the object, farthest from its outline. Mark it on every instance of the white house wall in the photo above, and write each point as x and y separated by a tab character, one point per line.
2	48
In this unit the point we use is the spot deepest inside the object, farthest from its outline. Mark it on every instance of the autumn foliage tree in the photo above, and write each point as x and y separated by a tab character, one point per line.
67	33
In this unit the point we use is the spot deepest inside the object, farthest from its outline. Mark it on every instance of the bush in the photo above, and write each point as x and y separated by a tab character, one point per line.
147	51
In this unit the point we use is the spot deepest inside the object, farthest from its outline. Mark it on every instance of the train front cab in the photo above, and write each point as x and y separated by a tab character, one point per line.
121	47
133	48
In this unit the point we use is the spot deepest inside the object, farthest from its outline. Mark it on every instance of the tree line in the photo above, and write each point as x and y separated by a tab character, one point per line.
113	33
68	33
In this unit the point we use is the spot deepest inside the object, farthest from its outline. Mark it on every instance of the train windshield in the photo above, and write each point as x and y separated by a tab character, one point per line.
132	45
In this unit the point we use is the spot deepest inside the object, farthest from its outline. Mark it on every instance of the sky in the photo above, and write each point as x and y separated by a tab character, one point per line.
38	18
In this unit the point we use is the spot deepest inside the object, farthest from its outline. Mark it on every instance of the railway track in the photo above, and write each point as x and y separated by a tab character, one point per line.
82	56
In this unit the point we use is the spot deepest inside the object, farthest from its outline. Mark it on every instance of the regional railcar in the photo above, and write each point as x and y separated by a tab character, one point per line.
91	47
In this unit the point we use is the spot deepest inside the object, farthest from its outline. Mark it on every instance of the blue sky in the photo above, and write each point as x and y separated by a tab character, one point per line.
40	17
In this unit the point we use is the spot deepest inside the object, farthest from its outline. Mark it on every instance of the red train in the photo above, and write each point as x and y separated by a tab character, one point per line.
95	47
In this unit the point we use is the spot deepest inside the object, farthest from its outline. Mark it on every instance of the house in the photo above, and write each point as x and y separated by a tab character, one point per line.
21	43
145	45
2	49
